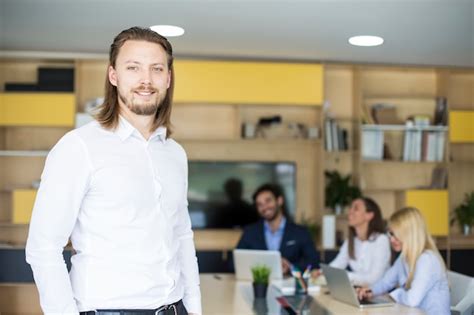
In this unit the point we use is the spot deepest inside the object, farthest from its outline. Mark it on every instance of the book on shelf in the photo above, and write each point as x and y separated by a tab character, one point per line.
335	136
423	146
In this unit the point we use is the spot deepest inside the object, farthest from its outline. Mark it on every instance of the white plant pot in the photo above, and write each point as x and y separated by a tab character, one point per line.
466	229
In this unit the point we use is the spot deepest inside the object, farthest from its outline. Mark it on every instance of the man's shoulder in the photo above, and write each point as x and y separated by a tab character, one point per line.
174	145
90	130
253	228
297	228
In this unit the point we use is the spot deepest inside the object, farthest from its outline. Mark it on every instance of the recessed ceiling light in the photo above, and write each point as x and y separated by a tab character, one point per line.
366	40
168	30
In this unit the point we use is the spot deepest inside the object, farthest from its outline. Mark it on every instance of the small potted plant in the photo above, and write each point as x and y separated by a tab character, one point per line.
464	214
339	191
261	275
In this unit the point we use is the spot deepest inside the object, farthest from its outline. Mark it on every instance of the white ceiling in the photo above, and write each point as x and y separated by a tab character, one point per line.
416	32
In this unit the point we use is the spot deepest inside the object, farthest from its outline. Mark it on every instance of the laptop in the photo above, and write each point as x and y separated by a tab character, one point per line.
245	259
341	289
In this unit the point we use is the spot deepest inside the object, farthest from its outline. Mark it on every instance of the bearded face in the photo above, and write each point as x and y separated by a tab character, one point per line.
141	76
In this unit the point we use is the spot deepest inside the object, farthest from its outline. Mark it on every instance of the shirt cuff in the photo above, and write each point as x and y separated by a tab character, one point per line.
395	294
376	290
193	305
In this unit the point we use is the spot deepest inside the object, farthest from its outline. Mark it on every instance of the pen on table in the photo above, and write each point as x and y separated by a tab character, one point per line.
307	271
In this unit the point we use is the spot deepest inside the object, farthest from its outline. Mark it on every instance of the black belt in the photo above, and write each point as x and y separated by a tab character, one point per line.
171	309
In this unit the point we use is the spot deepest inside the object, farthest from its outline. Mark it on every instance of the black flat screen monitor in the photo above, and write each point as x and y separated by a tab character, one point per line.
220	193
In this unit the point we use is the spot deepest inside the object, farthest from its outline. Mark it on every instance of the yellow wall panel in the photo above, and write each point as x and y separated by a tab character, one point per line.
37	109
461	126
235	82
23	201
434	206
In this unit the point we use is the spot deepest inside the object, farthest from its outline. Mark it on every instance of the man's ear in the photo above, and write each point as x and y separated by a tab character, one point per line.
112	76
169	79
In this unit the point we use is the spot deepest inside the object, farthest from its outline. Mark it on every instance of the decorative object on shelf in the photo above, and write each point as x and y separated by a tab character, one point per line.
274	128
260	275
441	112
313	132
464	214
339	192
384	114
248	130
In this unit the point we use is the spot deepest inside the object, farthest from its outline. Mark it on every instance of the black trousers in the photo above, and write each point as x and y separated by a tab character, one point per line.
174	309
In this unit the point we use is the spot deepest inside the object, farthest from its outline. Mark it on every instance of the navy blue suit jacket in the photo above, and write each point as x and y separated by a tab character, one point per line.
296	244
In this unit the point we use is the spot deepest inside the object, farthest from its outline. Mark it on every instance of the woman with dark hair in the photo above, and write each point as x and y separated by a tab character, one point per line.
367	250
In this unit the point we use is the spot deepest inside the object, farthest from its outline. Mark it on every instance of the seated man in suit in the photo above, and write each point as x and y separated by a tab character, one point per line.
275	231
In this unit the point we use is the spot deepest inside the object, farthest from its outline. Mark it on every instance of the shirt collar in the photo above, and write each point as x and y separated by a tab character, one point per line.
125	129
281	227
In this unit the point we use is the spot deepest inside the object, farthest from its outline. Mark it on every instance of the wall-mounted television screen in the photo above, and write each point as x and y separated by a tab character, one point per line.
220	193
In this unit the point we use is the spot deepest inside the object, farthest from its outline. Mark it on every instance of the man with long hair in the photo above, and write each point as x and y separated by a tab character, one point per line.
117	187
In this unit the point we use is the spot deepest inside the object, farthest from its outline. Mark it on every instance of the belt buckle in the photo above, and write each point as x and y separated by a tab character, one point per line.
167	307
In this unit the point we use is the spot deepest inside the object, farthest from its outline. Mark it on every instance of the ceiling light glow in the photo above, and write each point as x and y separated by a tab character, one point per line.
366	40
168	30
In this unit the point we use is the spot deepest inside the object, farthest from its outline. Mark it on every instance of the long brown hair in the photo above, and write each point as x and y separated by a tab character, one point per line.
108	112
376	225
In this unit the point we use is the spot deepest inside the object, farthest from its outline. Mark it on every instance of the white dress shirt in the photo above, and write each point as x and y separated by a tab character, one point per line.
372	259
122	201
429	288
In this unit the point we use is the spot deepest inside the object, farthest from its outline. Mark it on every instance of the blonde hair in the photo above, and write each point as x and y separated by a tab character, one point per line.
410	228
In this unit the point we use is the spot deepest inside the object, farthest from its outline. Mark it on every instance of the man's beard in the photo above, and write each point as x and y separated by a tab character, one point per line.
275	214
143	109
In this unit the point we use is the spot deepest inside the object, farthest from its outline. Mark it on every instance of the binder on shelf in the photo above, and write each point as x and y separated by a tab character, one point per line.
334	135
440	140
327	135
372	144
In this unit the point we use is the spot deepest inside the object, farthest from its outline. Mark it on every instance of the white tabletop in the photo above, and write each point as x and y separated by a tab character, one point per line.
223	295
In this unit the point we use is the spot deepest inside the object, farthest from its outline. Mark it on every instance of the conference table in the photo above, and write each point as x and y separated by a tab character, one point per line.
223	295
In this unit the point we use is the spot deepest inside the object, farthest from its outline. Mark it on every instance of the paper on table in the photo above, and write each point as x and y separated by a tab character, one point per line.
287	286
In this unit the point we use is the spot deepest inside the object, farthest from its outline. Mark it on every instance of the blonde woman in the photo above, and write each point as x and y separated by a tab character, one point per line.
418	277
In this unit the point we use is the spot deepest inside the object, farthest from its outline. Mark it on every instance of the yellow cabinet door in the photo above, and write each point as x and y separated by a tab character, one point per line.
37	109
23	202
238	82
433	204
461	126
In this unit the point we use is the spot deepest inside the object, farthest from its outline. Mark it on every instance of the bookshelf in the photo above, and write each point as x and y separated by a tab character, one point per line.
397	162
339	95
